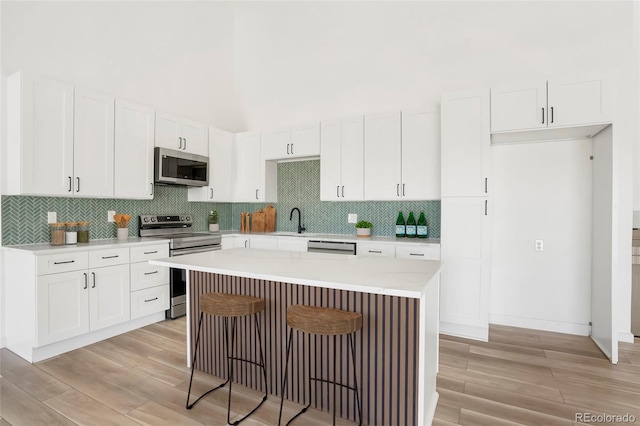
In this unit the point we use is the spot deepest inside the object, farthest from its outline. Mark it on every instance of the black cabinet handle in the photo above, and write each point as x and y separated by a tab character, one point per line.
150	300
111	257
180	142
291	149
485	207
62	263
552	115
85	281
338	191
403	189
150	252
78	188
69	184
485	185
342	191
416	254
398	190
151	273
288	149
211	189
185	143
256	194
542	115
375	251
94	280
151	193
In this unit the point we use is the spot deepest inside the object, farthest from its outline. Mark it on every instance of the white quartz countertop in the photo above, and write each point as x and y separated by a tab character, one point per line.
46	248
388	276
336	237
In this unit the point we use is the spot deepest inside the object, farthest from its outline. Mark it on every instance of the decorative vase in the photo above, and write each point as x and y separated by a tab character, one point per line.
214	227
363	232
123	233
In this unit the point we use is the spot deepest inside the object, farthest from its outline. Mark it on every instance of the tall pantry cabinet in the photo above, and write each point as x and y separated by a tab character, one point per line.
465	214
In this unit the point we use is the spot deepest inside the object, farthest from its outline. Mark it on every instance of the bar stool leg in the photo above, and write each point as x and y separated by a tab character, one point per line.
350	337
283	389
334	380
263	365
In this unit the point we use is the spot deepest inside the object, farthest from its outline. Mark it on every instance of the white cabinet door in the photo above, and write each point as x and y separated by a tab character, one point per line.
330	160
109	296
40	136
248	167
195	138
382	156
418	252
276	144
519	106
221	173
168	132
63	306
149	301
133	156
466	262
375	250
420	155
230	242
465	143
352	187
263	242
297	244
93	144
305	140
576	100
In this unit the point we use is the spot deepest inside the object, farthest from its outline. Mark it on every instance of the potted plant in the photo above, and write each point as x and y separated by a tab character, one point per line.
363	228
213	221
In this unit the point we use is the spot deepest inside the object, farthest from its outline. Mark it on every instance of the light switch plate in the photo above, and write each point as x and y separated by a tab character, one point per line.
52	217
110	214
539	245
353	218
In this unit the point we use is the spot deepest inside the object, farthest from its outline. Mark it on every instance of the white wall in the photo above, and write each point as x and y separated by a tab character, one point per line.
296	62
542	191
174	56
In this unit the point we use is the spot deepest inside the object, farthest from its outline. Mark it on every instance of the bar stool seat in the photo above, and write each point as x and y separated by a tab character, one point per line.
230	306
328	322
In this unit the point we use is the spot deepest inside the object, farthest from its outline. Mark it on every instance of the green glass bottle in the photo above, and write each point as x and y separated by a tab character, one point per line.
411	226
422	226
400	226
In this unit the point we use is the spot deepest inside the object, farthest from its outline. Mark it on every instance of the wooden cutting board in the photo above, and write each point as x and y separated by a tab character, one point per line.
258	221
269	219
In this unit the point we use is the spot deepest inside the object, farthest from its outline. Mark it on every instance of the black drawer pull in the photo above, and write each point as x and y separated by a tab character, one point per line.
111	257
416	254
150	300
62	263
151	273
150	252
375	251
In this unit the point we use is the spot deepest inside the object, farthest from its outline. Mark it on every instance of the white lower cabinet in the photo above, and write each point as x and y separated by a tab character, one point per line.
109	296
234	241
292	244
149	283
418	252
375	249
149	301
263	242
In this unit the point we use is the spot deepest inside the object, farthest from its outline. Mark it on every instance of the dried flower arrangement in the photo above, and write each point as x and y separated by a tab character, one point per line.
122	220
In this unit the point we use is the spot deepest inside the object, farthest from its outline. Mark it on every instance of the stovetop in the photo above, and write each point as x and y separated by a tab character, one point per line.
178	228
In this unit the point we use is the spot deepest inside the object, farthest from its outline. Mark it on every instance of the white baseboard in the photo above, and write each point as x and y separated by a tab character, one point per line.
541	324
625	337
473	332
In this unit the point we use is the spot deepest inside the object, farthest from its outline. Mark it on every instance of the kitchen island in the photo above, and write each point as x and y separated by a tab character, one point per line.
396	350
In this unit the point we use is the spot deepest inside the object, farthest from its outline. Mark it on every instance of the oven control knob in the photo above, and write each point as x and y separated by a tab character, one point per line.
188	218
153	219
182	218
146	219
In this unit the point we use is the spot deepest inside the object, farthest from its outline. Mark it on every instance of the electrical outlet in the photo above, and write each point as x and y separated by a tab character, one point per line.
110	214
353	218
52	217
539	245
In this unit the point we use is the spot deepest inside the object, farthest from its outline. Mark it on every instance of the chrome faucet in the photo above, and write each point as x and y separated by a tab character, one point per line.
300	227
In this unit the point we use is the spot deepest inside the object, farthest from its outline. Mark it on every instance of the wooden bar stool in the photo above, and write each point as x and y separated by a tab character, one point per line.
230	306
328	322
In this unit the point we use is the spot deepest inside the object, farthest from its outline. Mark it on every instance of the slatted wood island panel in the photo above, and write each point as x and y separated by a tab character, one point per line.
396	349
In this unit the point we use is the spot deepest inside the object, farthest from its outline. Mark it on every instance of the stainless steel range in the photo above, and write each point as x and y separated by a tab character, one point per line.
182	240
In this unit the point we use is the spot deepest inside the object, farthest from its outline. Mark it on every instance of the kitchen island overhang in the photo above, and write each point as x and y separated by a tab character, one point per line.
398	298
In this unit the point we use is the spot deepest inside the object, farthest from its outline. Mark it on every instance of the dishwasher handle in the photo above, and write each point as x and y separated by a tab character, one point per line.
335	247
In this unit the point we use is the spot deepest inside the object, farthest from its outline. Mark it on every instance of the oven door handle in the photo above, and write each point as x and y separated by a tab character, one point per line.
183	252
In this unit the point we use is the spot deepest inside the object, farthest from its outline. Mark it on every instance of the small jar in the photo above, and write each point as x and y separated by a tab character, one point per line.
71	233
57	234
83	232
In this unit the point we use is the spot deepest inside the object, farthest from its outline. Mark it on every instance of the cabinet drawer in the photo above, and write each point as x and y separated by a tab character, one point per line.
368	249
418	252
63	262
144	253
149	301
108	257
144	275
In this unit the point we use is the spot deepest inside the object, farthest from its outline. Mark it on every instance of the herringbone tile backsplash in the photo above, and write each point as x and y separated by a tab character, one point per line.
24	218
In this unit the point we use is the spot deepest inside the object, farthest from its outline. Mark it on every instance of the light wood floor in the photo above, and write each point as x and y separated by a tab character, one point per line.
521	376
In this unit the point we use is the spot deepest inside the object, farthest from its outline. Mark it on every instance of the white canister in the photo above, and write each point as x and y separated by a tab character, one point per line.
71	233
123	233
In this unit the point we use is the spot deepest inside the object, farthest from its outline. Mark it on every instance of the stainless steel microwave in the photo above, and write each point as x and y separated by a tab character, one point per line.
180	168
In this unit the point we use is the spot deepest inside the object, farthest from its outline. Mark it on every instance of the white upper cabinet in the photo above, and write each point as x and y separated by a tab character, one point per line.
342	160
181	135
402	156
133	158
558	102
255	180
39	151
291	142
420	155
221	170
93	144
466	144
382	156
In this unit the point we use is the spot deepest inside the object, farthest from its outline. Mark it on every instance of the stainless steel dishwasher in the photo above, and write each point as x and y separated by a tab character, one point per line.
334	247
